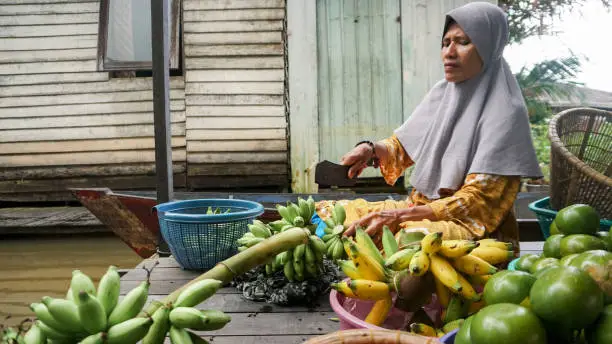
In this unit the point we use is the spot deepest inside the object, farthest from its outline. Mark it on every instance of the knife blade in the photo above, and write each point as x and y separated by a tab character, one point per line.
332	174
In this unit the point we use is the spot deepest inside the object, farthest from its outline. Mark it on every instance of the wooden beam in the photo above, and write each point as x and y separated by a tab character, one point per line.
161	106
303	86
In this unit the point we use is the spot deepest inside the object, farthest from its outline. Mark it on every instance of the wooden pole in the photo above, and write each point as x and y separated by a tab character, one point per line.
160	54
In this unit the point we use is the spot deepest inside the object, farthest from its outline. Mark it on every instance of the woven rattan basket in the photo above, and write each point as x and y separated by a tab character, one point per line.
367	336
581	159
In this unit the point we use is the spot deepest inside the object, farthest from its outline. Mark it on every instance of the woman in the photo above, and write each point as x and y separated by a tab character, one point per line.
469	141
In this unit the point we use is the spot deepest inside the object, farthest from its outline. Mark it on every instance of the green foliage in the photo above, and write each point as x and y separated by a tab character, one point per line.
534	17
539	133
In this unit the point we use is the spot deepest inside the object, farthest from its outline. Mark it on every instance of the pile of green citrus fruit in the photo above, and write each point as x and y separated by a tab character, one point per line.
561	296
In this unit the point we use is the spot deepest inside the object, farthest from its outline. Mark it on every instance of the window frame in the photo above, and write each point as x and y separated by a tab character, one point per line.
114	66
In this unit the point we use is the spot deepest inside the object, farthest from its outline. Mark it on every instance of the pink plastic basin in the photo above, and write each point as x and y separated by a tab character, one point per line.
352	312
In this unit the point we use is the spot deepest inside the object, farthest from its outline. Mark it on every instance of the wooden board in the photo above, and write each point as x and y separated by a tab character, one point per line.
237	146
83	158
48	55
249	134
86	109
45	220
233	26
232	75
259	87
85	145
234	50
231	4
125	169
233	14
246	169
236	111
48	19
235	62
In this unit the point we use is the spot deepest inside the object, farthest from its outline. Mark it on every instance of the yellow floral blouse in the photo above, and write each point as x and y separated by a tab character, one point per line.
476	210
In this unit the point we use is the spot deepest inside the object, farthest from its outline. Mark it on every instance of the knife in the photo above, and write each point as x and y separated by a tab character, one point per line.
330	174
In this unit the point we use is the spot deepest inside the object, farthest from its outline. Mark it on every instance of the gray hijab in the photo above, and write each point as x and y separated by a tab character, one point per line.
476	126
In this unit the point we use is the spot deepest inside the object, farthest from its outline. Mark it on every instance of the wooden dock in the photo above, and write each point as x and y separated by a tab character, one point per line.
49	220
252	322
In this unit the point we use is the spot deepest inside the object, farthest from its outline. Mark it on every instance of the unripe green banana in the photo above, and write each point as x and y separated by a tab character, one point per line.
197	292
311	205
91	313
309	255
329	222
338	250
294	211
331	244
189	317
70	295
288	270
260	231
318	247
299	221
327	237
64	312
215	320
159	328
253	242
304	209
96	338
284	213
298	268
339	214
52	333
129	331
131	304
311	269
81	281
108	289
242	248
179	336
278	224
43	314
34	335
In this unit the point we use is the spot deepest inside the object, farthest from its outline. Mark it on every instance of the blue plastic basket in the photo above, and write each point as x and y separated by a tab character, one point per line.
545	215
449	338
198	241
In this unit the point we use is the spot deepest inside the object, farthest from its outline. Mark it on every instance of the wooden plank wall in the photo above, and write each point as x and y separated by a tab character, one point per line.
62	123
234	92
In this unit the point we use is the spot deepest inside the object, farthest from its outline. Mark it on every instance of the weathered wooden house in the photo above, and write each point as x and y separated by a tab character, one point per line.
261	90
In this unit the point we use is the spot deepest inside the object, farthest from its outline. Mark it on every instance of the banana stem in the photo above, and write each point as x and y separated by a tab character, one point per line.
242	262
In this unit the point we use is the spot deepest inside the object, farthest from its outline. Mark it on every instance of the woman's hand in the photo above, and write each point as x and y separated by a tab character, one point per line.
358	159
374	222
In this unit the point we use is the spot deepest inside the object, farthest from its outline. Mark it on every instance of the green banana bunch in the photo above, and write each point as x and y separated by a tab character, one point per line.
260	229
160	326
91	313
130	306
34	335
198	292
334	249
64	312
97	338
299	214
81	282
108	289
179	336
206	320
129	331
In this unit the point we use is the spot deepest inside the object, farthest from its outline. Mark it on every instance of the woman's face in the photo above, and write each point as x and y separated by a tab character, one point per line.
459	55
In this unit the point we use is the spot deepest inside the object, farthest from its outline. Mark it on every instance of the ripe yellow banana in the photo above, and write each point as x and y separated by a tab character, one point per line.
444	272
400	260
443	293
189	317
493	255
457	248
108	289
369	290
43	314
197	292
131	304
367	266
423	330
431	242
473	265
467	291
349	268
343	288
179	335
367	246
34	336
64	312
129	331
96	338
495	243
159	328
380	310
419	264
91	313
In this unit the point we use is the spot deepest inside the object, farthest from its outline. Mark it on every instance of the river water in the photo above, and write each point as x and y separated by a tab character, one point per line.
31	268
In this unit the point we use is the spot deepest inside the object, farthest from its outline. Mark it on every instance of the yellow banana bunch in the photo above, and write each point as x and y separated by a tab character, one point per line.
492	255
444	272
369	267
473	265
400	260
457	248
431	243
419	264
380	310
